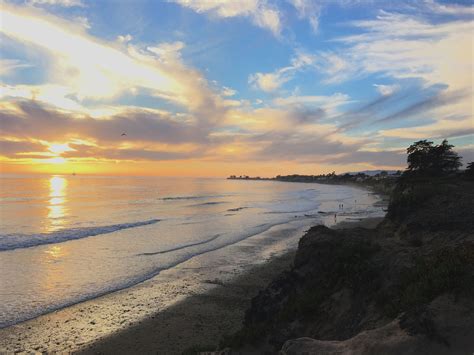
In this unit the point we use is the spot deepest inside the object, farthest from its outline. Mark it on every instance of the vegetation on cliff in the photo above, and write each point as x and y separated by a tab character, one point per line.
406	279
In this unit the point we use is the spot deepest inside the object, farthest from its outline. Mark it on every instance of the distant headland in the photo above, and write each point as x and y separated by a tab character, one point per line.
381	181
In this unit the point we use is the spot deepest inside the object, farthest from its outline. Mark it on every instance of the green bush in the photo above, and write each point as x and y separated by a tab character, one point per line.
446	271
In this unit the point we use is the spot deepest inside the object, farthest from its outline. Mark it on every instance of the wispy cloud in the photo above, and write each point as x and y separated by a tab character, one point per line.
310	10
386	90
261	12
108	70
10	66
273	81
405	46
64	3
339	100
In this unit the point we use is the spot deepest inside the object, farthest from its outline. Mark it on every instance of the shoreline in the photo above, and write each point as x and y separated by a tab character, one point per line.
74	327
199	305
169	303
199	322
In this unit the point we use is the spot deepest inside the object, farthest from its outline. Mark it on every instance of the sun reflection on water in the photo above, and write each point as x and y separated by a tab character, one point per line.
57	199
55	252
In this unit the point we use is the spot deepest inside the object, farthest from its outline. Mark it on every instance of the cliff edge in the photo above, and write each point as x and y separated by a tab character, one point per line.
405	287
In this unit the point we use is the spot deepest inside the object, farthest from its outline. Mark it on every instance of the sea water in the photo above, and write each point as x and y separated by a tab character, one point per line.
65	239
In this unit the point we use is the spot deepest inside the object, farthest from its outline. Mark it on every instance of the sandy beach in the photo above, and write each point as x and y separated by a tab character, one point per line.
194	304
73	328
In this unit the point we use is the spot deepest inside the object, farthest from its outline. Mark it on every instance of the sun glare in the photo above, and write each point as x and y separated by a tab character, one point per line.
56	160
57	199
59	148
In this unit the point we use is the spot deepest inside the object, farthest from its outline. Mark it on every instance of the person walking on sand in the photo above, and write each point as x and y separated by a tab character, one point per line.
335	217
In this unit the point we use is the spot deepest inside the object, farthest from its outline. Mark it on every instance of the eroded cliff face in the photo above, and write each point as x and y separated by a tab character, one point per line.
405	287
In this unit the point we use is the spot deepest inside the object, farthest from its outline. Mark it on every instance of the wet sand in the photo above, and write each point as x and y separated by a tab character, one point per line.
368	223
197	322
193	304
200	321
163	300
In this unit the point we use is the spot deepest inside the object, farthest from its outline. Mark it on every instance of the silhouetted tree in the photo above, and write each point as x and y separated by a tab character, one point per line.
424	158
419	156
445	160
470	171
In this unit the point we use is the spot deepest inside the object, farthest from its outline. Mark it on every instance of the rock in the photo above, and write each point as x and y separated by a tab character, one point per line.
390	290
452	320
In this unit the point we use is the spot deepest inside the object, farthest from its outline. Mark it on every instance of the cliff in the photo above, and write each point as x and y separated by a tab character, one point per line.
405	287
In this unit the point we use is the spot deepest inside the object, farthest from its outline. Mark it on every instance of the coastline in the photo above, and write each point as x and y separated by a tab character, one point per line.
73	328
200	321
403	287
206	305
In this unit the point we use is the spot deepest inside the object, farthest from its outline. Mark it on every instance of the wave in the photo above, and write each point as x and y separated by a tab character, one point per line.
183	246
236	209
135	279
209	203
20	241
193	197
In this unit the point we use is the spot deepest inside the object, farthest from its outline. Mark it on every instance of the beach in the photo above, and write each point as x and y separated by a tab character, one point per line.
191	305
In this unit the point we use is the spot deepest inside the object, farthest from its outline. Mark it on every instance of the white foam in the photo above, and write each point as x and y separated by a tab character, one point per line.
16	241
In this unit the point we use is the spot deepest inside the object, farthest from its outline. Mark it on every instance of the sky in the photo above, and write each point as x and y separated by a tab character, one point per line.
215	87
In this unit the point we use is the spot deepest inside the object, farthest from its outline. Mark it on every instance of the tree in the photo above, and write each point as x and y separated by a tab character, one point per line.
445	160
419	156
470	171
424	158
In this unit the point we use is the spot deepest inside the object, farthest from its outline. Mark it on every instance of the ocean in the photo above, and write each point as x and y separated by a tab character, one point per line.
66	239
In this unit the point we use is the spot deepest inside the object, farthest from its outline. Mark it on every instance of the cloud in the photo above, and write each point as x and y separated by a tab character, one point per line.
404	46
108	70
272	81
10	66
104	72
260	12
10	148
388	158
304	147
77	102
228	91
438	130
400	108
168	51
368	111
332	101
30	120
386	90
268	82
114	153
60	96
125	39
335	68
308	9
425	106
326	106
63	3
448	9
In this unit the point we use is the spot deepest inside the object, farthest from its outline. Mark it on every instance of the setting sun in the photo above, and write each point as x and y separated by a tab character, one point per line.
161	162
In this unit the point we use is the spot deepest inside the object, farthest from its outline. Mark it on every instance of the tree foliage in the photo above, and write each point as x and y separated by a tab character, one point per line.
470	170
425	158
